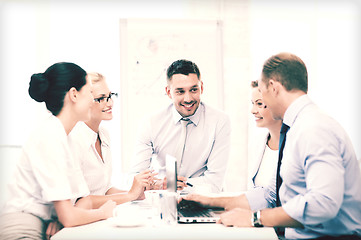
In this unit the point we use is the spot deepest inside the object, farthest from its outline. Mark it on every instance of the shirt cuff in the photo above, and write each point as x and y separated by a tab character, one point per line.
256	198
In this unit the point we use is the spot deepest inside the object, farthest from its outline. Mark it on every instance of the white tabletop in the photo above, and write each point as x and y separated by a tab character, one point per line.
141	226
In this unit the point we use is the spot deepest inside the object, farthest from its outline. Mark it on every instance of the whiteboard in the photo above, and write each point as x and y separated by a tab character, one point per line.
147	48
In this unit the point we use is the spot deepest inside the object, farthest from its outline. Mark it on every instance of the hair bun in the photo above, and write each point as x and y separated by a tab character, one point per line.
38	87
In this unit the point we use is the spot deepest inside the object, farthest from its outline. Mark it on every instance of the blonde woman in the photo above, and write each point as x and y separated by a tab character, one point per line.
91	143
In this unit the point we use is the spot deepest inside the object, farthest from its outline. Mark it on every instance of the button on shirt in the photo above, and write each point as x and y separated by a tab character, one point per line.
207	146
45	172
321	176
97	171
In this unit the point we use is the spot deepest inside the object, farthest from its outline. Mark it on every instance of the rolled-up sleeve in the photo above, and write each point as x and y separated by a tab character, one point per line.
320	194
261	197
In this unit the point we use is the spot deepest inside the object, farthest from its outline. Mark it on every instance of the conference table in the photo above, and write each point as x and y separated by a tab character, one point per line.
138	220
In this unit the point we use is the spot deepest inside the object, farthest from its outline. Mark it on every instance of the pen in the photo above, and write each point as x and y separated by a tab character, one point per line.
191	185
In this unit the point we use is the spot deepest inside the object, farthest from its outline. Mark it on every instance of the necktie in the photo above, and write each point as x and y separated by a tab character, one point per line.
280	231
182	140
282	142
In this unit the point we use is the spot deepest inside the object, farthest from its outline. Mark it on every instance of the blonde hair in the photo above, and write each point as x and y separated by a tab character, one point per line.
95	77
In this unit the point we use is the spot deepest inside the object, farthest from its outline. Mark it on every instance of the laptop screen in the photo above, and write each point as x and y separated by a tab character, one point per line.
171	173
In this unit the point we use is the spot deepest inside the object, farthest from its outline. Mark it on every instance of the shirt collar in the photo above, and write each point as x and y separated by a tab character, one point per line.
295	108
90	136
193	119
104	137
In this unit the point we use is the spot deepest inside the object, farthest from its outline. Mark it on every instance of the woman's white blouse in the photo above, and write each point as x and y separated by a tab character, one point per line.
267	167
262	161
97	171
45	172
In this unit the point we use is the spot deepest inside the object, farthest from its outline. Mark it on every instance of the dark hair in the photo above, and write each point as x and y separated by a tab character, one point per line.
254	84
182	67
288	69
52	85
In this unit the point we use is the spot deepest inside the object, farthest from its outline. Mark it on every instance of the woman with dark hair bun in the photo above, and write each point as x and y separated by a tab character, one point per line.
52	85
38	86
48	183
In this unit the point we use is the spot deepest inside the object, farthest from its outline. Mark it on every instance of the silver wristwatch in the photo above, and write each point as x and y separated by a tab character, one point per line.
256	219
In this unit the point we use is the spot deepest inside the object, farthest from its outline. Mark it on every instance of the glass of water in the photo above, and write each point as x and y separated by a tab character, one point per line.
158	168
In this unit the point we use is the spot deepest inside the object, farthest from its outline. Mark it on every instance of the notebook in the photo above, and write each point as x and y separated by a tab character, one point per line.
188	211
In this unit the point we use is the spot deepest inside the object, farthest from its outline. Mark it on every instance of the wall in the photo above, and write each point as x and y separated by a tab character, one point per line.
36	34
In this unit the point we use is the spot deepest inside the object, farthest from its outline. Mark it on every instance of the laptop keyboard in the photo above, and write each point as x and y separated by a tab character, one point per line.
189	208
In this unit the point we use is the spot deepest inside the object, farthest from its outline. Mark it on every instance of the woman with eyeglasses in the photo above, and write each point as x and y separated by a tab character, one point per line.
48	182
264	148
92	143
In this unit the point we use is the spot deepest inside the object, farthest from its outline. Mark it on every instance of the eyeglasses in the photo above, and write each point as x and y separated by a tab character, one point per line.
105	99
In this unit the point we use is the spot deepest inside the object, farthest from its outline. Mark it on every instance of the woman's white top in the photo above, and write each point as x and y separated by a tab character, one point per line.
97	171
262	165
266	169
45	172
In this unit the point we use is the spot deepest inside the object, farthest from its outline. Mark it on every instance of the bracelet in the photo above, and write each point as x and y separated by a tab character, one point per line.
256	219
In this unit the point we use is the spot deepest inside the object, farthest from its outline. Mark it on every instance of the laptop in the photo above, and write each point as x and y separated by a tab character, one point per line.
188	211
